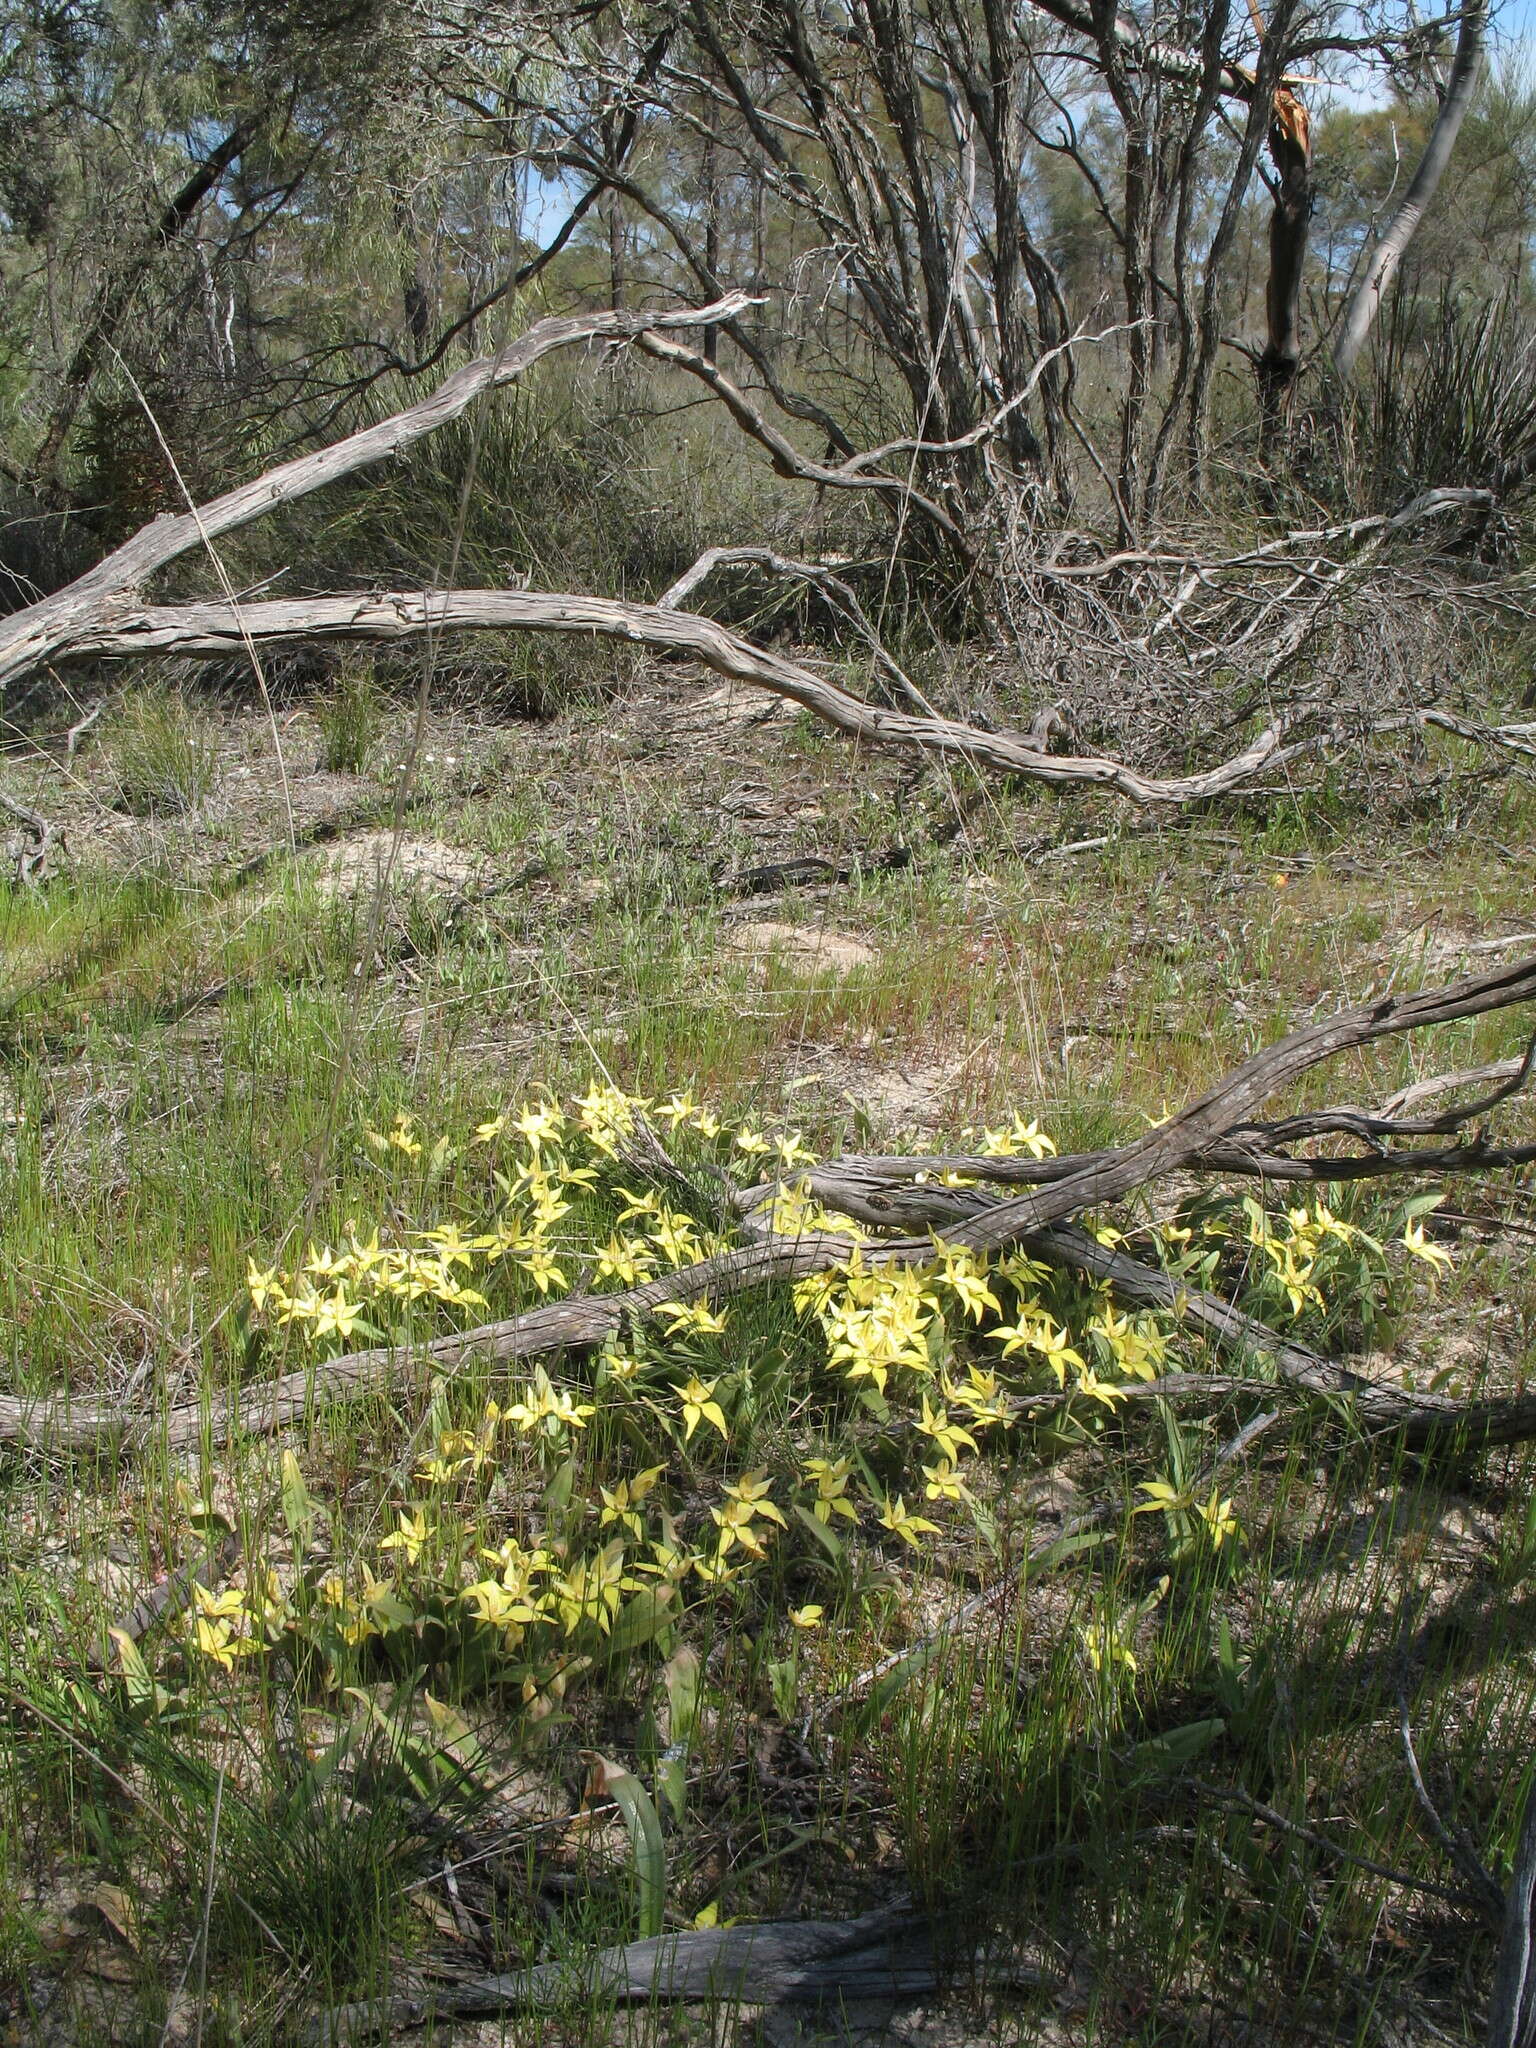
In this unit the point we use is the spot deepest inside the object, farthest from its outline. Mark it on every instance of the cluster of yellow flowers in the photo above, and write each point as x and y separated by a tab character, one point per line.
939	1356
335	1294
231	1624
1293	1257
1293	1243
882	1322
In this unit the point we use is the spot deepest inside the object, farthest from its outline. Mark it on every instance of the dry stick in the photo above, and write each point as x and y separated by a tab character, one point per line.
30	861
1514	739
1232	1102
584	1321
895	1192
1246	1803
1456	1846
79	729
863	472
910	1193
786	457
1442	1084
170	1597
578	1324
213	628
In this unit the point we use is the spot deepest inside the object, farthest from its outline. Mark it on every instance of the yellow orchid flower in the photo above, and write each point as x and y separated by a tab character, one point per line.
699	1405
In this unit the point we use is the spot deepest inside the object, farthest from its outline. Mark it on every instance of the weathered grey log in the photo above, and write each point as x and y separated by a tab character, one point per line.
885	1954
220	628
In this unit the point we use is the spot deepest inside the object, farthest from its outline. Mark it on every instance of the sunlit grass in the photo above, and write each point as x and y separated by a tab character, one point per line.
191	1071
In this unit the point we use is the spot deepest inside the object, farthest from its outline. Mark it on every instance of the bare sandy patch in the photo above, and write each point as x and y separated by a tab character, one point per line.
346	867
804	950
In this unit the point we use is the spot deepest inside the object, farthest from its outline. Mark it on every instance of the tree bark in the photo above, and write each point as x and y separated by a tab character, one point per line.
1290	145
216	627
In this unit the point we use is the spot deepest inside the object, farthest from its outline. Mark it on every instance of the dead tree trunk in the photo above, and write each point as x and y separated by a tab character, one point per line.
1290	146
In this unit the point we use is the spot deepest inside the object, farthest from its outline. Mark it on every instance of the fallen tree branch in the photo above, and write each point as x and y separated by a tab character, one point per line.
838	593
912	1193
864	471
1245	1802
577	1324
216	628
54	625
1513	738
1303	542
885	1954
786	457
169	1598
98	614
1442	1084
1423	1419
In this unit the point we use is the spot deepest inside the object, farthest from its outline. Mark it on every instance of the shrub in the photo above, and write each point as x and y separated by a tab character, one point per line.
163	754
350	718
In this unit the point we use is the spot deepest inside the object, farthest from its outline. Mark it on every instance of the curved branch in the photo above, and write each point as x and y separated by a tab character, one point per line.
41	631
787	459
217	628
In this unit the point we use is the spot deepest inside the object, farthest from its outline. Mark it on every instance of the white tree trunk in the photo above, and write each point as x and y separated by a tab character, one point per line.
1365	301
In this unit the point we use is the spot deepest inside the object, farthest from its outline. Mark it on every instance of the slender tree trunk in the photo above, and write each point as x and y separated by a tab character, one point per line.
121	289
1184	194
711	197
1137	280
1365	300
615	253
